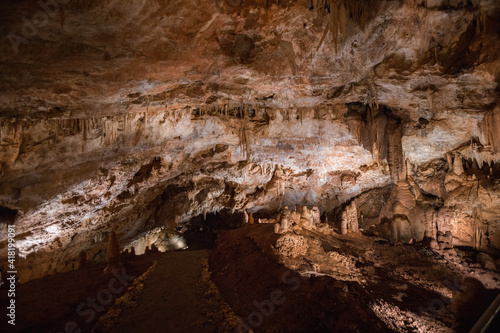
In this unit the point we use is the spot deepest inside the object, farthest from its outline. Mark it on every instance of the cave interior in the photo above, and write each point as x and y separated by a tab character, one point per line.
250	166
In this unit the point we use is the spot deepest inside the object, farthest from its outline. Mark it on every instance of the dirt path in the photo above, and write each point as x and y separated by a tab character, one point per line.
172	300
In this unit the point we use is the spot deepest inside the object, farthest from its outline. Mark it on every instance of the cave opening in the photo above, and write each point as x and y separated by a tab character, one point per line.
202	230
8	215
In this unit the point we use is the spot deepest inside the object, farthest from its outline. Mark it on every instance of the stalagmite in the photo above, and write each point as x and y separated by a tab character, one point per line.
339	13
353	217
306	218
250	219
82	259
284	223
343	225
400	229
245	216
458	167
316	214
349	221
113	254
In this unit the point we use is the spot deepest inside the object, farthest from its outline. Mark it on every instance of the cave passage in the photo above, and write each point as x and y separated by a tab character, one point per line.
249	166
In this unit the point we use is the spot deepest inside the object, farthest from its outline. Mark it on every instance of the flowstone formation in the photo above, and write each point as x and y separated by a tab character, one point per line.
300	245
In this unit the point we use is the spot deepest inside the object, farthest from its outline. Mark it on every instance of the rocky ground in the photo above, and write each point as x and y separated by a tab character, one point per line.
61	301
340	283
374	285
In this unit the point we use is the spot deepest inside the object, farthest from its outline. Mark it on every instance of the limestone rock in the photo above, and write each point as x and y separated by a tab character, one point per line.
306	219
400	230
295	217
233	104
82	259
316	214
486	261
349	220
445	240
285	224
292	245
251	219
113	254
271	221
458	168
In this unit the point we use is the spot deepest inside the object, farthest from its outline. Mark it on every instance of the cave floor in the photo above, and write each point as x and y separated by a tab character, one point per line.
243	283
172	299
50	304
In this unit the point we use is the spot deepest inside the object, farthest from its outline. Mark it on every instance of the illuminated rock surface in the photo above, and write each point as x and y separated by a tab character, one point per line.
150	118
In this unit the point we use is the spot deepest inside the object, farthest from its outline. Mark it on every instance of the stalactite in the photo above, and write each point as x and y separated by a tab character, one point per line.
482	156
489	130
339	12
109	131
355	127
428	93
480	18
476	207
243	136
245	216
395	149
373	123
84	133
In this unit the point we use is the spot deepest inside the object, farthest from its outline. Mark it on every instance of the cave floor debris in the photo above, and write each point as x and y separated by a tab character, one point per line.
395	287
